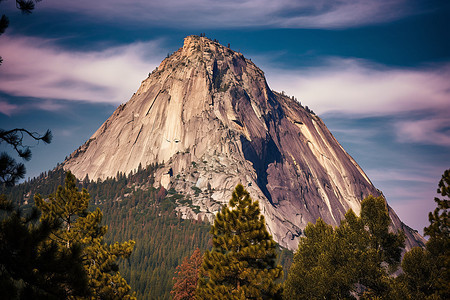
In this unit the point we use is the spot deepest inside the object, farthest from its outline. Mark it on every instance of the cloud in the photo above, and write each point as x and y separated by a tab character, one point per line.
405	174
413	201
38	68
434	131
8	108
363	88
237	13
417	100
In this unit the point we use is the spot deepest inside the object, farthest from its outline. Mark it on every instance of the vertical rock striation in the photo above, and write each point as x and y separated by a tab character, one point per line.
208	114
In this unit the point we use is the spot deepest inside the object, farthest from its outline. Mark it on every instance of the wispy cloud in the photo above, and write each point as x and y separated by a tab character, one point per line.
406	174
8	108
410	190
430	131
250	13
363	88
38	68
359	89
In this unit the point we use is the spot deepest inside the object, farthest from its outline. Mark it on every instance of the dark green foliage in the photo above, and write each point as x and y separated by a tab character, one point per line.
68	208
284	258
419	274
439	233
31	266
10	170
320	267
25	6
45	184
133	209
427	271
148	216
354	259
162	240
242	261
439	228
388	245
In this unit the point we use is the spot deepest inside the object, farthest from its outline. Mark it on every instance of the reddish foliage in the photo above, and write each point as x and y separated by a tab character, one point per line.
186	277
161	194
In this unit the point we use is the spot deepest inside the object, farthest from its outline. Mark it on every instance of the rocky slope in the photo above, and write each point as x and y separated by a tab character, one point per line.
208	114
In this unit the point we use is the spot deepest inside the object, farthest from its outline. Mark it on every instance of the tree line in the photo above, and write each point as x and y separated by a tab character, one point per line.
62	253
356	260
69	239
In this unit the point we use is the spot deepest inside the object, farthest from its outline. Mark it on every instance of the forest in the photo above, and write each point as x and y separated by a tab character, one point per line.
134	210
154	254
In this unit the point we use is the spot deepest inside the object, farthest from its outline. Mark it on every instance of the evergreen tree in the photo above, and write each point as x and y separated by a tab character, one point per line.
31	267
242	261
354	259
427	271
388	245
10	170
186	277
68	207
419	275
439	232
25	6
317	270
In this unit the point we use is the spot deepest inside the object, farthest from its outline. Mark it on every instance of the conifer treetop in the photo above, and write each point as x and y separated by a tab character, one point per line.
242	261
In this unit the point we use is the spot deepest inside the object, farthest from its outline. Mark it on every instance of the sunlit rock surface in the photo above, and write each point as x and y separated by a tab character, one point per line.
209	115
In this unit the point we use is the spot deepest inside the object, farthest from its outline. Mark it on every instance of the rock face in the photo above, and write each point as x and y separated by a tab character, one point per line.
208	114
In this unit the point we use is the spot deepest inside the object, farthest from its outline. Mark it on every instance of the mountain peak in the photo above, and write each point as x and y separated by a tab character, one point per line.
195	43
197	47
208	115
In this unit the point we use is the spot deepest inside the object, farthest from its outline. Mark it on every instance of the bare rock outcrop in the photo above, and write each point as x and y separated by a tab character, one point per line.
209	115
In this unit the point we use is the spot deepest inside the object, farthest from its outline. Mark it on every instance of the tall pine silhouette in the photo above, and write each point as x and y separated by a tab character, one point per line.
69	207
31	266
242	261
427	271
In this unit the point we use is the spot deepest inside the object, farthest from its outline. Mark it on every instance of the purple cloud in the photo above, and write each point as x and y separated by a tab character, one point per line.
434	131
38	68
8	108
362	88
359	88
250	13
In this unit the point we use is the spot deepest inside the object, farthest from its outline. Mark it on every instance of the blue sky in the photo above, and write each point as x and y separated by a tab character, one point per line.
376	71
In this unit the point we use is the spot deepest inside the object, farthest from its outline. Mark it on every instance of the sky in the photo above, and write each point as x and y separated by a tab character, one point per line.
376	71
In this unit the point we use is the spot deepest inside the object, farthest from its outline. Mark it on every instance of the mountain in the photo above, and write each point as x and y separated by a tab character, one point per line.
209	117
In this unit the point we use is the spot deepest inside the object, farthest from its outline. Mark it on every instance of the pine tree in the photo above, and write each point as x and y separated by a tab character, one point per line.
355	258
25	6
242	261
10	170
388	245
419	275
186	277
316	272
439	232
427	271
31	267
69	208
